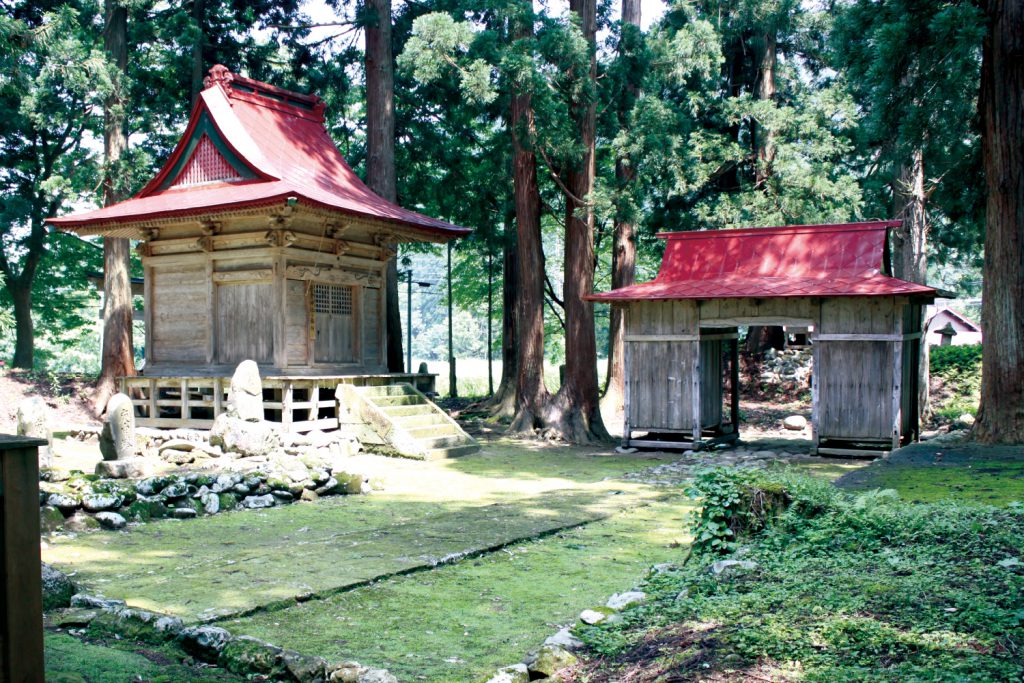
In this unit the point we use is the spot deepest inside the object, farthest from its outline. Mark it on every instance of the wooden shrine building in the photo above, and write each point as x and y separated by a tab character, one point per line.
865	331
258	241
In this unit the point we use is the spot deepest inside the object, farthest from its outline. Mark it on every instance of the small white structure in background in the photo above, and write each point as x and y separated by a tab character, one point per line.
949	328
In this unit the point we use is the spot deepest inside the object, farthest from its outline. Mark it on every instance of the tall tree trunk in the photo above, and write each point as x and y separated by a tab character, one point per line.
199	19
1001	414
574	412
502	403
910	249
379	65
761	338
24	328
624	244
118	357
531	393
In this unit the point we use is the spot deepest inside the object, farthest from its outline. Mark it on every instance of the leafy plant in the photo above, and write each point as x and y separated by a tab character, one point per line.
736	503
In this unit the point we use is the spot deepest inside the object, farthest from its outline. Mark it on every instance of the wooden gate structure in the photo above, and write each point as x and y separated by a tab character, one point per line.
865	331
258	241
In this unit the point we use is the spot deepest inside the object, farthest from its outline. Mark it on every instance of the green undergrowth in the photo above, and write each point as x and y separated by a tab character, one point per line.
931	472
71	660
460	622
956	380
846	587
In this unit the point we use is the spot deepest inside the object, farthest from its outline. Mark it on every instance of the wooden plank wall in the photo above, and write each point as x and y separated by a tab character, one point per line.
297	322
857	344
711	383
178	314
661	342
245	323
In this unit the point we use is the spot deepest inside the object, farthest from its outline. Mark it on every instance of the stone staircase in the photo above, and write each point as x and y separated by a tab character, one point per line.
407	421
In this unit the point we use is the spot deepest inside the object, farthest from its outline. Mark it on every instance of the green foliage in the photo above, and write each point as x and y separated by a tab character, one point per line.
735	504
848	587
954	360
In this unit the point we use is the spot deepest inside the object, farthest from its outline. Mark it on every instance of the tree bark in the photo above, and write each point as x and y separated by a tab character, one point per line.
502	404
379	65
574	412
198	72
118	355
910	249
24	328
531	393
624	240
1001	104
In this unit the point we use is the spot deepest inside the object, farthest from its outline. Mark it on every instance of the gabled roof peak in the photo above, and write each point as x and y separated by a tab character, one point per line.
238	87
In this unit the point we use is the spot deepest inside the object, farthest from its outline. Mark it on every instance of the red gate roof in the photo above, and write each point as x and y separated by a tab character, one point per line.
792	261
251	144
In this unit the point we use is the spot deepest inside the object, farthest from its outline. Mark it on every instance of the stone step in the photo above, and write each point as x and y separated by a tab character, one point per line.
431	431
451	452
420	410
384	390
435	442
410	422
384	401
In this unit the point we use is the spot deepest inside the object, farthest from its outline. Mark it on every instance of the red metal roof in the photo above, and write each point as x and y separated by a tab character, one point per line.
280	147
793	261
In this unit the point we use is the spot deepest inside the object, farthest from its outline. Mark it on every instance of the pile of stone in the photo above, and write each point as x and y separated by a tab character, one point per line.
84	502
787	371
243	655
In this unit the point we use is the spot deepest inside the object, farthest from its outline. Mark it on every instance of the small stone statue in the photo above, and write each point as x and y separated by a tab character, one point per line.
245	399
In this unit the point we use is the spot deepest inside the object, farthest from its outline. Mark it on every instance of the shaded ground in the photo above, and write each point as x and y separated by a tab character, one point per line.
946	469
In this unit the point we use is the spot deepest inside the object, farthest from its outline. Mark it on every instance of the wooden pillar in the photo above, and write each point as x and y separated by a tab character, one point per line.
815	377
696	390
211	313
280	307
897	375
147	312
21	599
734	380
627	351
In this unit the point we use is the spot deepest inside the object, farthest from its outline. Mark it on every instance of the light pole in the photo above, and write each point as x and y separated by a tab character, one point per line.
407	263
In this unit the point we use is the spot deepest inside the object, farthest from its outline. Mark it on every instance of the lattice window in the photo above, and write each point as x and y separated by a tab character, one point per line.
206	165
334	299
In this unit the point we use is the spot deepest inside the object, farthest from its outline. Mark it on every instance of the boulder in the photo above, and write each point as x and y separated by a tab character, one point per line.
65	502
517	673
243	438
965	421
548	660
57	588
247	655
87	601
211	503
98	502
245	397
204	642
259	502
377	676
305	668
795	423
621	601
179	457
74	617
565	640
117	439
81	522
110	520
184	513
129	468
345	672
596	616
50	519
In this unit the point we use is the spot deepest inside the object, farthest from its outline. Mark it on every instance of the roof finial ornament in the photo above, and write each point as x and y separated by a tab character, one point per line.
219	74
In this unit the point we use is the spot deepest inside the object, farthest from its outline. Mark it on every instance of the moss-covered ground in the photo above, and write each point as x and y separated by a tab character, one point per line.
946	471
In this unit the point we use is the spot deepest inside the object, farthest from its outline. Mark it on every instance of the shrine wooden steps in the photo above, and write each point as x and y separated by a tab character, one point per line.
407	421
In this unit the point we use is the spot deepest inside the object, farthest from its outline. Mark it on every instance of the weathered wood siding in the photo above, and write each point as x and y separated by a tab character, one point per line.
179	314
856	373
245	323
297	316
372	312
661	343
732	312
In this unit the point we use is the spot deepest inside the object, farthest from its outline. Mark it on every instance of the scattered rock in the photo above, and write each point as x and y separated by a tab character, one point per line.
377	676
81	522
305	668
65	502
346	672
57	588
259	502
74	616
621	601
179	457
548	660
177	445
98	502
592	616
245	398
110	520
205	642
117	440
95	602
965	421
248	655
795	423
211	503
184	513
309	496
129	468
565	640
517	673
732	567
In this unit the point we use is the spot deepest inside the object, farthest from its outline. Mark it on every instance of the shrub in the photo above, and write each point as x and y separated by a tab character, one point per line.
949	360
735	504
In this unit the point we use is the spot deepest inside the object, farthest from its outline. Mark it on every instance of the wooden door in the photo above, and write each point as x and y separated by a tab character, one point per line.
334	324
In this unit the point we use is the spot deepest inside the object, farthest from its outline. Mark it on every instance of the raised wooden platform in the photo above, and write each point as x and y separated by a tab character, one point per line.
301	403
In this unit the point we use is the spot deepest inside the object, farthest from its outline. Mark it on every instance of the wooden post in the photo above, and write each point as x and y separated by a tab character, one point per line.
815	379
627	349
897	377
695	388
186	411
734	379
154	411
21	600
147	311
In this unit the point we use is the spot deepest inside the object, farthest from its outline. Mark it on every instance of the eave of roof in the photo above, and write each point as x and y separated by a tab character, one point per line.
279	136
